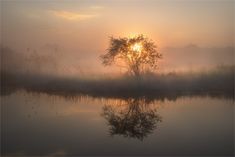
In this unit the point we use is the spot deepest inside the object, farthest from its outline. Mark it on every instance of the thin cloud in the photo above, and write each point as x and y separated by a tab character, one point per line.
73	15
96	7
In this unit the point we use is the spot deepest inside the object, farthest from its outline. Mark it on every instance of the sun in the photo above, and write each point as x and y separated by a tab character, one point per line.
137	47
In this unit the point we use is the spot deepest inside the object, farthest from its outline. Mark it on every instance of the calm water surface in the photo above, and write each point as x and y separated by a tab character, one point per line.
39	124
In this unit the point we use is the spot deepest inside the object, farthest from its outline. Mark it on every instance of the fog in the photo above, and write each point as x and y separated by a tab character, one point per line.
67	38
63	41
195	58
59	99
46	72
53	59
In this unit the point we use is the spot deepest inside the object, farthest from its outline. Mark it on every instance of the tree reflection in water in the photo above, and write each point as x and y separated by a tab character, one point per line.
133	118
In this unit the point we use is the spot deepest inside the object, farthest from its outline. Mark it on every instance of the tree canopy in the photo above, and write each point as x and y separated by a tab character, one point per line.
138	54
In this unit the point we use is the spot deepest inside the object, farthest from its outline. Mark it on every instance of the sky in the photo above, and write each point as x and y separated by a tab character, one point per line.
81	29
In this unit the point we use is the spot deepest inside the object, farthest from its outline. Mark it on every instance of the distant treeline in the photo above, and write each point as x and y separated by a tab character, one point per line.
217	82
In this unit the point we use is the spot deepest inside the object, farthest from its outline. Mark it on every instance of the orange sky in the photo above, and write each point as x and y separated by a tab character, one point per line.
170	22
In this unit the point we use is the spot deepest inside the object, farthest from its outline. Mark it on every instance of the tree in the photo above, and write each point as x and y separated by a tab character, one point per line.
137	54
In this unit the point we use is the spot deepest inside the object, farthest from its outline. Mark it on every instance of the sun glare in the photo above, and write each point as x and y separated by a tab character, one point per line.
137	47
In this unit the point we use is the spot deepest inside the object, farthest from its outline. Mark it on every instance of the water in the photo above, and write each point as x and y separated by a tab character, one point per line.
40	124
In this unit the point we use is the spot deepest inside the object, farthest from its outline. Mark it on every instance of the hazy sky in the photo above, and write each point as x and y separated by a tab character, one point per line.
83	27
169	22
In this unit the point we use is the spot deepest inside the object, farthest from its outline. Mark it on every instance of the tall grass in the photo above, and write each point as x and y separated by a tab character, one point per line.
219	81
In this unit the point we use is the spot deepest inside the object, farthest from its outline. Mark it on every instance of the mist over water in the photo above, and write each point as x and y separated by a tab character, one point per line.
166	113
57	99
